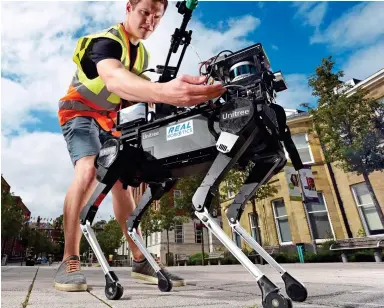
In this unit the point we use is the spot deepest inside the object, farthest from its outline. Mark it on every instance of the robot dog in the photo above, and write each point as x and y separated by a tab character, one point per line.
245	125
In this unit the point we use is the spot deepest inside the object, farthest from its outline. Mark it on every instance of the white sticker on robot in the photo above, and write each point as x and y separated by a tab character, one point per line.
180	130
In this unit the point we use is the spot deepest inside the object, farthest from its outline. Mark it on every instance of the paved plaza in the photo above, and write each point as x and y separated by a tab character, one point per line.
330	285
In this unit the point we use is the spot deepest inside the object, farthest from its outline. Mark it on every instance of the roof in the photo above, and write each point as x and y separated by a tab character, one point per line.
379	75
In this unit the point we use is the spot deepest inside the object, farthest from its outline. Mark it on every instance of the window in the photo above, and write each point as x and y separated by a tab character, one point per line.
254	226
303	147
281	220
176	194
319	220
179	236
236	238
367	210
230	192
198	232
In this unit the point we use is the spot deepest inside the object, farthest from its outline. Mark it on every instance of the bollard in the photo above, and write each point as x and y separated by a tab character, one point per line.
300	252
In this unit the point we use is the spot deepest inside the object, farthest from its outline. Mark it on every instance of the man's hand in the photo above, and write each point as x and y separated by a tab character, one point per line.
183	91
186	91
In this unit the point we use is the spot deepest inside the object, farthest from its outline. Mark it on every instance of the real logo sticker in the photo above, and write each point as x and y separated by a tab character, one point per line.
180	130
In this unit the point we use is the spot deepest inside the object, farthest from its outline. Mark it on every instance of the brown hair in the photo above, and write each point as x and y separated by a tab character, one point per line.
164	2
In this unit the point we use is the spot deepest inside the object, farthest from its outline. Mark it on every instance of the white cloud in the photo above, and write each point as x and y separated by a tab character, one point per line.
362	24
312	13
298	92
38	39
359	31
38	49
39	170
274	47
364	62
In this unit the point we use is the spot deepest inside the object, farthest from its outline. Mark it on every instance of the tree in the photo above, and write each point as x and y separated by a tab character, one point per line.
169	215
235	180
149	223
58	224
12	217
110	238
350	125
188	186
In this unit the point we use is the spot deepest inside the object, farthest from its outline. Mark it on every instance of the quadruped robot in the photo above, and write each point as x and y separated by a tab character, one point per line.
243	127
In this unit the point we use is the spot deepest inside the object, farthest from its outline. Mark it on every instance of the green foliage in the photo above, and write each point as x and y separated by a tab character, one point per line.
349	126
287	257
322	256
188	186
149	223
366	255
12	216
41	242
168	215
361	233
58	224
196	259
235	179
325	246
110	238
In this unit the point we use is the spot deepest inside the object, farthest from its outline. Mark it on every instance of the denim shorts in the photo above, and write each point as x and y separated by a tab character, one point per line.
84	137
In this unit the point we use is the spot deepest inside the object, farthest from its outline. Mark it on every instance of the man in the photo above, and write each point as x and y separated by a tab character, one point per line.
108	65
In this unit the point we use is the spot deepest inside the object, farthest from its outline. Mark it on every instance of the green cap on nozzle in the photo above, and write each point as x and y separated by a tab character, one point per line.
191	4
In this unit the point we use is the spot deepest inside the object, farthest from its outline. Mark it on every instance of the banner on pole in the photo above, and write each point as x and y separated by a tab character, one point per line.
293	183
308	184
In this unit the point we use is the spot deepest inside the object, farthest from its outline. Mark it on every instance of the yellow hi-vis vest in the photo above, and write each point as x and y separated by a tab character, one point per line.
84	94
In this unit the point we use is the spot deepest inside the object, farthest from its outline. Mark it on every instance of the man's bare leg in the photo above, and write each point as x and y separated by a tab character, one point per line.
123	206
78	194
68	277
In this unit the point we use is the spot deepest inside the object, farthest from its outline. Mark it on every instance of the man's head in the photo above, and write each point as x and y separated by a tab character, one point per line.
143	17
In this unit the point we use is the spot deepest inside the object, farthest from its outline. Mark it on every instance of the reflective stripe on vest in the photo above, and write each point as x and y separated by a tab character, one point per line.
76	105
95	90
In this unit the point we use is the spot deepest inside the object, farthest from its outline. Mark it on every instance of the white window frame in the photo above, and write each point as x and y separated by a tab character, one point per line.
359	206
277	224
182	234
329	218
298	148
234	236
252	227
230	193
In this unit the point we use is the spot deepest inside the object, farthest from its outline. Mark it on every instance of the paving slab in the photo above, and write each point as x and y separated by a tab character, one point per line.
15	283
45	295
333	285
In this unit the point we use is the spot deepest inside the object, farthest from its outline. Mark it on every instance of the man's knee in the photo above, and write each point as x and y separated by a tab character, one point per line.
85	170
118	189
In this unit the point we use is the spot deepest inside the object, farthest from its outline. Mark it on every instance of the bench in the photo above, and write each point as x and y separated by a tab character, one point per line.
181	258
347	245
215	256
272	250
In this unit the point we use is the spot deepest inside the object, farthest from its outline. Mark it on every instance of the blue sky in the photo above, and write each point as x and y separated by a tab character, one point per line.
38	38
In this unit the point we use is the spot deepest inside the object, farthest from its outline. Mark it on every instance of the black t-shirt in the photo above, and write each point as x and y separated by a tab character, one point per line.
105	48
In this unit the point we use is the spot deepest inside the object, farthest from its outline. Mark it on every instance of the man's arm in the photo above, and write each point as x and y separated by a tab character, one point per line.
183	91
127	85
